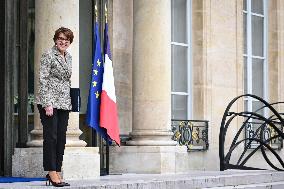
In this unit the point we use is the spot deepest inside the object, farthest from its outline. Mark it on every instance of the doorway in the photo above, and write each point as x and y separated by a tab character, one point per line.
7	47
13	65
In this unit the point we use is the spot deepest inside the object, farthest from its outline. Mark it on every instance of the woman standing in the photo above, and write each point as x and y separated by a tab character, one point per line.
54	102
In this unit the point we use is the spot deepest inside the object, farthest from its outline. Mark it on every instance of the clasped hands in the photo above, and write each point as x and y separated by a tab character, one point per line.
49	110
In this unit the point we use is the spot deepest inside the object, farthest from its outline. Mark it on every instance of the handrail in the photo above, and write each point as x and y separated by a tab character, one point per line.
268	133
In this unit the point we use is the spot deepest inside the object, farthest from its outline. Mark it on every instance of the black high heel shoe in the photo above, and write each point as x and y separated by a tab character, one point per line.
60	184
64	183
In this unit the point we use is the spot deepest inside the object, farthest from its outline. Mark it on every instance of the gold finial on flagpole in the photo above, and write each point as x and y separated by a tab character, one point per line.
106	12
96	12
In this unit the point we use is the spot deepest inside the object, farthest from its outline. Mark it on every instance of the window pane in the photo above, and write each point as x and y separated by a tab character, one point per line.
179	21
257	6
245	76
245	4
257	36
179	107
179	68
246	105
257	77
255	106
245	32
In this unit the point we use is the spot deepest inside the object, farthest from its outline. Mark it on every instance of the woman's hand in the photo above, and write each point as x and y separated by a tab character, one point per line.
49	110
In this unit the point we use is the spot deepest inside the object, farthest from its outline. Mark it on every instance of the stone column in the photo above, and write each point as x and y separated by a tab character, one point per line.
152	73
49	16
151	144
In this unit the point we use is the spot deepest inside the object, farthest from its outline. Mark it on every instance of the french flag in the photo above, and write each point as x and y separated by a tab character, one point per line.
108	108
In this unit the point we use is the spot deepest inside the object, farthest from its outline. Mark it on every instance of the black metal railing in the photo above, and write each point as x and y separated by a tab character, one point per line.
264	133
191	133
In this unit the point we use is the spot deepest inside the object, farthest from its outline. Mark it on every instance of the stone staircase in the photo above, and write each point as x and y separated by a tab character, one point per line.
195	179
274	185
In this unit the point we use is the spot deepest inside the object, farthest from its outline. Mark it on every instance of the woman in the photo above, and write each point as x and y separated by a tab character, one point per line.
54	102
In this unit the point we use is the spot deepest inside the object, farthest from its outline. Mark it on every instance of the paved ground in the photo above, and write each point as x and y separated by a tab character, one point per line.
196	179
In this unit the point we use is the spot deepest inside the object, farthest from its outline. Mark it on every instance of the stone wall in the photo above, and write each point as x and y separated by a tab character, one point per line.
217	60
217	67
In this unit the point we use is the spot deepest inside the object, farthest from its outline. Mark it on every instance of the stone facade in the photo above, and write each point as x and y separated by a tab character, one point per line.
140	40
217	69
48	18
217	66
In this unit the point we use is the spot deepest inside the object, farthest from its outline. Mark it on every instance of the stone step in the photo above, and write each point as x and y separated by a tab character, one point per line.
273	185
194	179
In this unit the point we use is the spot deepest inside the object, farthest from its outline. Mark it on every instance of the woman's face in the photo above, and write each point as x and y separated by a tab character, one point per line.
62	42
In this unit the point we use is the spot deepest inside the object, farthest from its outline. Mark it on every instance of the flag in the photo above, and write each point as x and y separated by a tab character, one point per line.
108	112
94	99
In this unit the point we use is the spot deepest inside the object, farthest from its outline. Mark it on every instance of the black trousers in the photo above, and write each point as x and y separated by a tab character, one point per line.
54	137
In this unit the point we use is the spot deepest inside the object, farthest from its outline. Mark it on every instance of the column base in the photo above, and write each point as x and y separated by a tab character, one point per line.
78	163
144	159
36	138
151	138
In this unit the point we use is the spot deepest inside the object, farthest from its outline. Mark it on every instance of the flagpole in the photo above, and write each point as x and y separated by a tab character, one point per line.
96	12
95	20
107	144
106	12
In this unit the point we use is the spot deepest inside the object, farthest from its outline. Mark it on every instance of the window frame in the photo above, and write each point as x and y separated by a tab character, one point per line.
249	56
248	101
188	45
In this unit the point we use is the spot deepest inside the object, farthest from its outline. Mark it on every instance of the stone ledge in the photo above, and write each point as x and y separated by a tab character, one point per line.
147	149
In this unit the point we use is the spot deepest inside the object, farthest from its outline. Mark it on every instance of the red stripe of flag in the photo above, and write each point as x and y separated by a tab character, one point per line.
108	117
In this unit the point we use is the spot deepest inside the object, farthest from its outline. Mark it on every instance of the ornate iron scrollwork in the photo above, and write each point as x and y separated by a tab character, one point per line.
191	133
261	133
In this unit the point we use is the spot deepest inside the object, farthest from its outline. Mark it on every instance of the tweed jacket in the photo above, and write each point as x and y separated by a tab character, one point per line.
54	80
